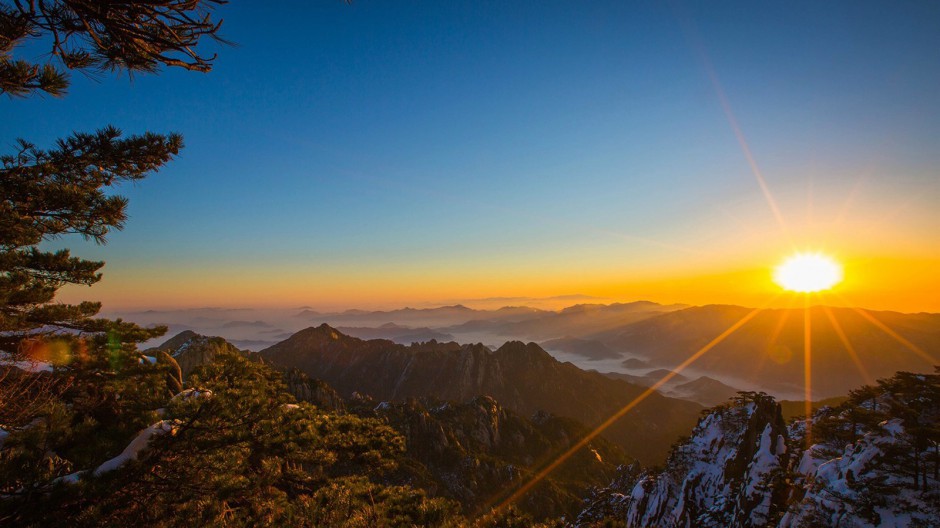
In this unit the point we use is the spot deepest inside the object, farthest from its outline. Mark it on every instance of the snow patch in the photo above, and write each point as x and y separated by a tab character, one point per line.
138	444
835	485
193	393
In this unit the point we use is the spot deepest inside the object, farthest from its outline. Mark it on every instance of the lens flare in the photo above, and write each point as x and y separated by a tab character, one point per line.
808	272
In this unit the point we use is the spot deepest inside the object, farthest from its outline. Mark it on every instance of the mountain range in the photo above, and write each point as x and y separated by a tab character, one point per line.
472	451
769	348
522	377
766	352
477	423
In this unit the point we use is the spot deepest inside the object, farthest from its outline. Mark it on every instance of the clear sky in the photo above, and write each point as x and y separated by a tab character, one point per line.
382	154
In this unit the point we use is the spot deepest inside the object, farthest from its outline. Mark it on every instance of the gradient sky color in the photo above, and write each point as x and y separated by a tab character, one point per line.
383	154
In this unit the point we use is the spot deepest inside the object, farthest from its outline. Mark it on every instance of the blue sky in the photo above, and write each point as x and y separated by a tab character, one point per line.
431	145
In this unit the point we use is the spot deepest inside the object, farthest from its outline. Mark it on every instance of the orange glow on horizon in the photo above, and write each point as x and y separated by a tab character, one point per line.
903	285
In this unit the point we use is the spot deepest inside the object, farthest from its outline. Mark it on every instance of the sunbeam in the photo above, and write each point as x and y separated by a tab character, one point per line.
636	401
691	34
808	369
770	350
866	376
897	337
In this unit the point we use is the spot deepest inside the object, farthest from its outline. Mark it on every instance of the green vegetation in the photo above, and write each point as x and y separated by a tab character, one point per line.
94	432
68	190
239	450
105	437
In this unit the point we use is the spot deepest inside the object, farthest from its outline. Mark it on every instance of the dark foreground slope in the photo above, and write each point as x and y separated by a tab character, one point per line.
477	453
522	377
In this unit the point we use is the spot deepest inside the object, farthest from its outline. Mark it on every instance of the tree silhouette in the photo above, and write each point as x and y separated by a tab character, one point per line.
68	189
98	35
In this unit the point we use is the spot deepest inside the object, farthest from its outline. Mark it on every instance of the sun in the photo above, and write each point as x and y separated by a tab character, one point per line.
808	272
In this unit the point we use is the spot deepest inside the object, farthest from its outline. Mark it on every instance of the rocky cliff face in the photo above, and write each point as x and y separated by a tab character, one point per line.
522	377
729	473
190	350
313	391
873	462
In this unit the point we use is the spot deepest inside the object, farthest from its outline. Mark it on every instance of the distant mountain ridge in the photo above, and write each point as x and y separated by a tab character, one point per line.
583	347
704	390
435	317
766	352
397	333
574	321
522	377
768	349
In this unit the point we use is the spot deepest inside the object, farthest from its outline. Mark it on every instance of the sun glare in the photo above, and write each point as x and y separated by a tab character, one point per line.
808	272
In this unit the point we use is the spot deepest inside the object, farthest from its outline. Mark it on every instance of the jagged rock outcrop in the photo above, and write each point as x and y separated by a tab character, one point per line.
872	461
730	472
313	391
190	350
522	377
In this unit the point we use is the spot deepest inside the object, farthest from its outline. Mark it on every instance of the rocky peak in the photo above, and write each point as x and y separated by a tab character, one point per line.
728	473
190	349
522	377
529	353
178	340
486	415
324	333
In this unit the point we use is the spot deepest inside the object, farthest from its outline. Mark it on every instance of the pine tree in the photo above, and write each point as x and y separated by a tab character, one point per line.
102	36
68	189
915	399
57	192
241	451
100	392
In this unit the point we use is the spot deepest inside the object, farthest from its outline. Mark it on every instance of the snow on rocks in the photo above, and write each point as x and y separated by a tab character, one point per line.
138	444
193	393
131	452
858	490
724	475
811	460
